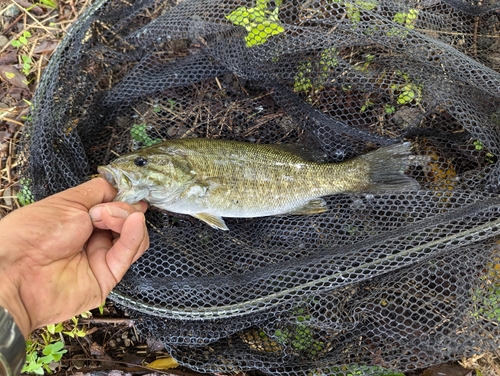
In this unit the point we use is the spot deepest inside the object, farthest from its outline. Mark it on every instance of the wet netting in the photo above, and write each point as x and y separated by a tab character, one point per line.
378	284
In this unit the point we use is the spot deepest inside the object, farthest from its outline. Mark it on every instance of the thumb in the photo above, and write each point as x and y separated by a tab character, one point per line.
131	244
109	258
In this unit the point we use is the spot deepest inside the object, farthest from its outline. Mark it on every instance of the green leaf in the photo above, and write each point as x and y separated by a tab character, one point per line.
101	307
49	3
367	5
69	334
54	351
389	109
259	22
51	328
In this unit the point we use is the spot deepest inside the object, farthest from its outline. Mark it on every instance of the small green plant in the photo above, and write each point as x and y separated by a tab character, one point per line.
407	19
43	351
478	145
101	307
389	109
138	132
260	22
75	330
22	40
38	365
25	196
408	92
366	63
300	335
486	296
27	64
354	9
314	75
366	106
355	370
48	3
488	157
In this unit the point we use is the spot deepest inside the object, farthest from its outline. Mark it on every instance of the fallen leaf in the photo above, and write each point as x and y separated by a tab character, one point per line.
16	93
447	370
163	363
9	58
47	46
33	8
13	76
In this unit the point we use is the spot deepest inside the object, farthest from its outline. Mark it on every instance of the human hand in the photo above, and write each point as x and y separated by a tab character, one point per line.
56	262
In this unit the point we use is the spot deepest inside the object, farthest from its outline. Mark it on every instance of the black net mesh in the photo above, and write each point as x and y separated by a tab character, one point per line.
378	282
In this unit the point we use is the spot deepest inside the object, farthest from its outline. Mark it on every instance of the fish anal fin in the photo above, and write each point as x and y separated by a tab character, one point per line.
315	206
211	220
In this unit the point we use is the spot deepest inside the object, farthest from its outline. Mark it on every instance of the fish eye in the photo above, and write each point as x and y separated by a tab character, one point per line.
140	161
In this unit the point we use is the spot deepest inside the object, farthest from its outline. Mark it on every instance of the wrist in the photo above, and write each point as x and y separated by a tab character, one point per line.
12	345
11	301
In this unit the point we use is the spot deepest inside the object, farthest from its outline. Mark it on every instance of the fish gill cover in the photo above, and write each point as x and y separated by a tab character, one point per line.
377	284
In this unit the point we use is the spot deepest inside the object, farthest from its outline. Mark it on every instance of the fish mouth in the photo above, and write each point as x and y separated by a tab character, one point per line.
123	182
109	175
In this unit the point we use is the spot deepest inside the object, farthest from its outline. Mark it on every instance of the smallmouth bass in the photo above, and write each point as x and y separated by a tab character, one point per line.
210	179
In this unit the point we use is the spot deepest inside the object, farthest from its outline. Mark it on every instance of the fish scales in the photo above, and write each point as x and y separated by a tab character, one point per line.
211	179
261	179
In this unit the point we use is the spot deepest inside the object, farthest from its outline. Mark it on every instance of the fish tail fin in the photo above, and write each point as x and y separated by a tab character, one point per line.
387	167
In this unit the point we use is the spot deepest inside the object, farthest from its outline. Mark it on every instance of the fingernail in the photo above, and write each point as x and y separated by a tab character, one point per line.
138	206
95	213
116	212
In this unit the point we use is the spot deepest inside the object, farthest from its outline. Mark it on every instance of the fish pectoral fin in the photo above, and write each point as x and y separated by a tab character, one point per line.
315	206
211	220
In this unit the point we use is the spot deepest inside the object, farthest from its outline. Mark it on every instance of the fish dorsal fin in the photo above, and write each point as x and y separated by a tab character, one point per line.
306	153
315	206
212	220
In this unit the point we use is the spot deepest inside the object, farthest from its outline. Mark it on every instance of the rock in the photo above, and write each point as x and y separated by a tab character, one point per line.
11	11
3	40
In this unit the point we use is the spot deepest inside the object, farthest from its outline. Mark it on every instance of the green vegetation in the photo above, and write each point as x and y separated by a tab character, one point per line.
407	19
355	9
408	92
36	364
260	22
301	335
389	109
25	196
138	132
314	75
22	40
486	296
355	370
27	64
43	351
52	4
488	157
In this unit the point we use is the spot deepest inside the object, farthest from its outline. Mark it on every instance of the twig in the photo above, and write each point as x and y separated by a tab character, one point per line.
33	18
4	118
106	320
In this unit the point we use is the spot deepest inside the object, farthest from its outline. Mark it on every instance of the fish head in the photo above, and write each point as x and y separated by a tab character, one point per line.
143	175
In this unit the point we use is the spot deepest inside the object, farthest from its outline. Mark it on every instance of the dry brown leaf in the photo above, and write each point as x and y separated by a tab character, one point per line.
47	46
13	76
9	58
33	8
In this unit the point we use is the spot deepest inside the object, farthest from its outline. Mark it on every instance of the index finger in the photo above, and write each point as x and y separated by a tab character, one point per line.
90	193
